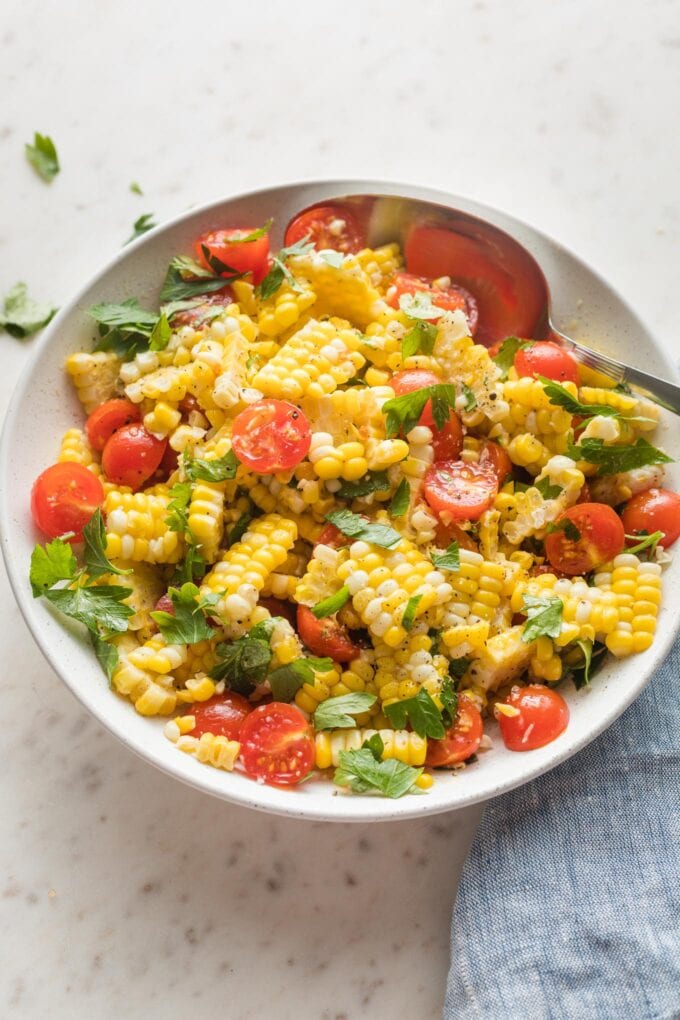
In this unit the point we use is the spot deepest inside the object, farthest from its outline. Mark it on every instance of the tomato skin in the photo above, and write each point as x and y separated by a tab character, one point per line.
325	637
654	510
448	533
198	315
169	463
463	491
63	498
107	419
448	442
493	456
602	538
241	256
164	605
548	359
450	299
278	607
333	537
270	436
277	745
223	715
543	716
322	223
416	379
462	739
132	455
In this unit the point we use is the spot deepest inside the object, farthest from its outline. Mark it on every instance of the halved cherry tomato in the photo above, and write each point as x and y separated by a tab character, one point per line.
277	745
270	436
328	226
132	455
325	637
507	286
548	359
543	715
461	740
229	249
201	313
448	533
416	379
452	298
279	607
493	456
463	491
601	538
107	419
654	510
223	715
333	537
448	442
164	605
63	499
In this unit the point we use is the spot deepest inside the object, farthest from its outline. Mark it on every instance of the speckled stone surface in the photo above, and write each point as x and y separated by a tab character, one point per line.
123	893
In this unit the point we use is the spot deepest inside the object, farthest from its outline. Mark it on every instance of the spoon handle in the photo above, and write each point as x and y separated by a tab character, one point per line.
662	391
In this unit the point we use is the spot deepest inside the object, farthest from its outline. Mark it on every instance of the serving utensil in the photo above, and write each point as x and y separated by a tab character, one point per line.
504	277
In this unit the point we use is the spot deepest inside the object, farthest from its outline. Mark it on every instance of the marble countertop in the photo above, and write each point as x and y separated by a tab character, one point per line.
125	893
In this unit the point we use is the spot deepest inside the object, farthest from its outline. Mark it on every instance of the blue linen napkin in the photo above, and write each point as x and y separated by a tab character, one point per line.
568	906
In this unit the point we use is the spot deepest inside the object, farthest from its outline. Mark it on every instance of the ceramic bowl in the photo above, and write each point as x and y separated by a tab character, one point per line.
44	406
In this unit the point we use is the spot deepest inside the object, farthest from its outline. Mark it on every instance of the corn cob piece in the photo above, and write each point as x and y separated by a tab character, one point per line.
206	517
95	377
284	309
238	578
400	744
637	586
317	359
615	489
382	581
380	264
401	673
545	663
528	513
477	588
629	404
151	692
136	527
533	429
321	577
461	359
209	749
346	290
146	586
201	656
75	448
347	460
503	658
310	696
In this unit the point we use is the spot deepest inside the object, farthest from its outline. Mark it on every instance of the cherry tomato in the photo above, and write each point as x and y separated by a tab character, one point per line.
448	442
63	499
654	510
107	419
169	463
601	538
229	249
198	316
493	456
461	740
279	607
277	744
132	455
164	605
325	637
333	537
328	226
451	298
543	715
271	436
584	495
448	533
548	359
507	286
222	715
416	379
463	491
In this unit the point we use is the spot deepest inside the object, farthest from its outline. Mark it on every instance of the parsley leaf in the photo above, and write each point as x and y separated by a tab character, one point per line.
244	662
547	490
177	519
185	279
160	334
94	538
419	340
42	156
188	623
106	653
332	604
409	617
254	235
280	271
21	316
98	606
401	499
561	397
373	481
614	459
192	568
286	680
375	745
218	470
459	667
135	188
331	257
124	327
544	617
420	306
470	398
403	413
239	529
355	526
51	563
593	659
141	225
336	713
362	773
450	560
449	700
565	525
421	711
505	358
647	541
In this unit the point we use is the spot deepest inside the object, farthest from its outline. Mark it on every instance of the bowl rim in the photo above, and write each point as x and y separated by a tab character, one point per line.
339	808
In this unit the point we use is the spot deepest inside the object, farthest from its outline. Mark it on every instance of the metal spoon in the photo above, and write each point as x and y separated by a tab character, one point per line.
507	282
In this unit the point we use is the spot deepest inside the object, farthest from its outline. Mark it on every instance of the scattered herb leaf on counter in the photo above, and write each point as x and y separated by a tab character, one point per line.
142	224
135	188
21	316
337	713
42	156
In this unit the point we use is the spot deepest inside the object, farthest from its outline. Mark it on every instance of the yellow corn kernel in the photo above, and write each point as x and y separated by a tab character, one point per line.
95	377
317	359
400	744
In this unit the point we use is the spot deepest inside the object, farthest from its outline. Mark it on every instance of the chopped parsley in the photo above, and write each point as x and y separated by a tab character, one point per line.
193	566
420	339
544	617
373	481
459	667
505	358
21	316
357	527
244	663
124	328
566	526
593	659
94	548
546	489
286	680
142	224
614	459
280	271
42	156
51	563
218	470
420	306
331	605
188	623
337	713
470	398
646	541
403	413
561	397
185	279
240	528
421	712
363	771
401	499
409	617
180	497
450	560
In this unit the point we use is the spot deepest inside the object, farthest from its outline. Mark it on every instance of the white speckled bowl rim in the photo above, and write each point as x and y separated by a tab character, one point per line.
43	406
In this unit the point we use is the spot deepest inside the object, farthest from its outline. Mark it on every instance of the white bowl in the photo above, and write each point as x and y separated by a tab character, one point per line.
44	406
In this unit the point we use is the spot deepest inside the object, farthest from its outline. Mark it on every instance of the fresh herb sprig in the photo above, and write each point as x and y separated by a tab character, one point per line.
21	316
357	527
403	413
364	771
544	617
42	156
280	271
612	460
